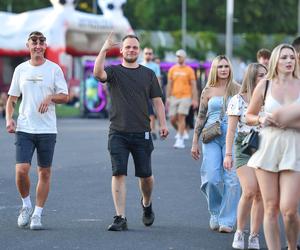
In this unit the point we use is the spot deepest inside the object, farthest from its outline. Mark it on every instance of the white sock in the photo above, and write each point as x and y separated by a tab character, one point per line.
26	201
37	211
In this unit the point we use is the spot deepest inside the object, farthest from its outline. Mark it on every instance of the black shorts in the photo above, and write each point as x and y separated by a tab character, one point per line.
140	145
189	119
44	144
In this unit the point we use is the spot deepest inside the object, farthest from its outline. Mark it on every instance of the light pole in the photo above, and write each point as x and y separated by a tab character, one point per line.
183	24
298	17
229	27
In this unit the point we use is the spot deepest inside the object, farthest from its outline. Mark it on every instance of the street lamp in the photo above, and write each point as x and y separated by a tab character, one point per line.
229	27
183	24
298	17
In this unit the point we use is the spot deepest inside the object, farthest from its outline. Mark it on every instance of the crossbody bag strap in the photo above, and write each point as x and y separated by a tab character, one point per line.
223	110
266	90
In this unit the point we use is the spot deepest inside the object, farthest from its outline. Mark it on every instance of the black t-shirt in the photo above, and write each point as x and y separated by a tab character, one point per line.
130	89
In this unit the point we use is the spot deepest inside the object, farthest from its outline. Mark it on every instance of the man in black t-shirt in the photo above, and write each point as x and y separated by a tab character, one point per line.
131	85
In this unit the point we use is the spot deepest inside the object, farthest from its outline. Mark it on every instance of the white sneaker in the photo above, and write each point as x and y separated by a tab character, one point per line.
253	241
179	143
238	240
186	136
24	216
177	136
36	223
213	222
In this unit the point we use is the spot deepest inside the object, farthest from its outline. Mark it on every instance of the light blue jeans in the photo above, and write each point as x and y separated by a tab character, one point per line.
220	187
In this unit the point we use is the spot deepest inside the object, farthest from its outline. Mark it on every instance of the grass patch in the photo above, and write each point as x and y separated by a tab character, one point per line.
63	110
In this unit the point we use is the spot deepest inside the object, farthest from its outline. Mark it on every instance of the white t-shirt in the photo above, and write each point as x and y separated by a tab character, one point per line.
238	107
35	83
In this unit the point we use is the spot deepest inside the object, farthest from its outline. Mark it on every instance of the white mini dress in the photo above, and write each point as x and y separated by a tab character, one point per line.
279	149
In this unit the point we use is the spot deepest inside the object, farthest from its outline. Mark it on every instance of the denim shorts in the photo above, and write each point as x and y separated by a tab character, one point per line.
140	145
44	144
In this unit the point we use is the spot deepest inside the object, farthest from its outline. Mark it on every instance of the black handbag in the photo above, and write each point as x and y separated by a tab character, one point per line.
250	143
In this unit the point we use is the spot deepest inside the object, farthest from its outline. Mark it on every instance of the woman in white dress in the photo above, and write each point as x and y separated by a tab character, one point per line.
277	161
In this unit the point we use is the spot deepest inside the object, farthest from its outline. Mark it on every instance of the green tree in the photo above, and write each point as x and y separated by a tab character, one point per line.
18	6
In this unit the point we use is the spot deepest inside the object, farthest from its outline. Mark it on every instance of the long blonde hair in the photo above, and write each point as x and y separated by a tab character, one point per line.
272	73
232	87
249	80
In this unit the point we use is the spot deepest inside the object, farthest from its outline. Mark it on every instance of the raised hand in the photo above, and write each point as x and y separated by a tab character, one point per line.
109	43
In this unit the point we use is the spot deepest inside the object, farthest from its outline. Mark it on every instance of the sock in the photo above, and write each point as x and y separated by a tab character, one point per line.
37	211
148	205
26	202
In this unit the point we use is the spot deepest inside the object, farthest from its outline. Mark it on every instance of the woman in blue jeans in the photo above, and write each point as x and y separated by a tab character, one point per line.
220	187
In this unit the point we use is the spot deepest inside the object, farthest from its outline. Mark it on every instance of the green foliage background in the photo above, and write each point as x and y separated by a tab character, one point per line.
258	23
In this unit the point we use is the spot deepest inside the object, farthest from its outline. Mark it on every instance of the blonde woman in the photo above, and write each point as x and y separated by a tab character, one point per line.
250	191
220	187
277	161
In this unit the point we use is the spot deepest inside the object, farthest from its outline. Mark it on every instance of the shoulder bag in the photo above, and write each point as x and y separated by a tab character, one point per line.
250	143
213	130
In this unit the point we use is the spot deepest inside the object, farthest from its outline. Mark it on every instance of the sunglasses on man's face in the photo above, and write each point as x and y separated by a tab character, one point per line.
41	39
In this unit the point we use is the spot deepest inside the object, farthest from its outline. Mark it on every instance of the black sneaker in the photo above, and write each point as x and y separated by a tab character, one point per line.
148	215
119	224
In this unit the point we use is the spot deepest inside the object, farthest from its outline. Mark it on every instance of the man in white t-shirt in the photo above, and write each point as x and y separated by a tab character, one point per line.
41	84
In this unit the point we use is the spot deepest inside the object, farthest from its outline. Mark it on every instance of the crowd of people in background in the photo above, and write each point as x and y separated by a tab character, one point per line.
236	186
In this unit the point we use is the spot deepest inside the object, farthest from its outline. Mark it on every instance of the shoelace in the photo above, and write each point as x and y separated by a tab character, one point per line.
253	238
23	212
117	219
240	236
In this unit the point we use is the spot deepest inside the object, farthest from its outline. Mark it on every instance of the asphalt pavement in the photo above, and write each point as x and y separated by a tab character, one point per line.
80	207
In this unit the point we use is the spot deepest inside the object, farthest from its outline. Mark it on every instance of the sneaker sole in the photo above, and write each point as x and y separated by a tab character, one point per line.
123	228
214	228
225	230
36	227
148	224
23	226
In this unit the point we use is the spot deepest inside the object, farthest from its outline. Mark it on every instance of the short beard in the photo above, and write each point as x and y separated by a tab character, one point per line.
130	60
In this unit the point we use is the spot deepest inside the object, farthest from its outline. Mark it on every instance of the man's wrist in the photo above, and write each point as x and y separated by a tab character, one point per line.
103	51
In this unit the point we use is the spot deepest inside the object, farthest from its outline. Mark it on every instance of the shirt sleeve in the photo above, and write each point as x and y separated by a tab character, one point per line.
14	89
235	106
60	82
109	73
155	90
192	74
158	74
